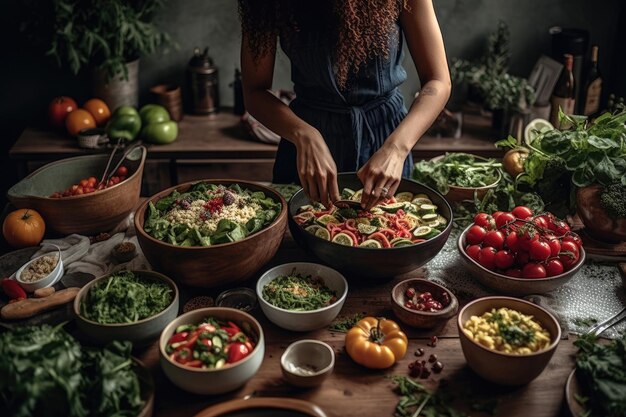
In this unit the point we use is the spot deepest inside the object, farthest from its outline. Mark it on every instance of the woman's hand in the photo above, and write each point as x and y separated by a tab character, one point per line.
317	169
382	171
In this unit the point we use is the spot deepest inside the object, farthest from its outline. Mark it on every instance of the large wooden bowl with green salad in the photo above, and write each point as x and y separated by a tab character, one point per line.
211	233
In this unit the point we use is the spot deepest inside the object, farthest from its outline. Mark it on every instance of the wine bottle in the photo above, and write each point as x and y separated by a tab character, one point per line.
593	86
564	95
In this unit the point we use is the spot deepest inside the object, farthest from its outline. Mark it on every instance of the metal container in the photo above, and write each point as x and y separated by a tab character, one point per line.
202	84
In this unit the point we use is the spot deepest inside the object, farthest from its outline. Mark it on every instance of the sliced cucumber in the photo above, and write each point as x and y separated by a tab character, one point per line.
422	232
217	341
434	223
371	243
377	210
313	229
343	239
404	197
402	242
393	207
427	218
395	239
327	218
366	229
422	195
428	209
412	208
323	233
442	220
220	363
347	193
379	221
357	195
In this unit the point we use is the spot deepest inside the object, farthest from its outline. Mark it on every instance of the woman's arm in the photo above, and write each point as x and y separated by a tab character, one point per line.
316	168
425	43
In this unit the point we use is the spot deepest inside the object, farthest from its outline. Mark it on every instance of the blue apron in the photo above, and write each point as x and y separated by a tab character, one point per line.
354	121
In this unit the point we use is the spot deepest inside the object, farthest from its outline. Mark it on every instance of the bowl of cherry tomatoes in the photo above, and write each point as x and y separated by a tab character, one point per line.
70	197
520	252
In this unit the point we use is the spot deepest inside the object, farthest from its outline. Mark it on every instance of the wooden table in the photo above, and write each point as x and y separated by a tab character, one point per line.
355	391
218	146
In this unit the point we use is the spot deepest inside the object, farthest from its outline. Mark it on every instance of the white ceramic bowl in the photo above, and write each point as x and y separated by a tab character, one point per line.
307	363
304	321
213	381
47	281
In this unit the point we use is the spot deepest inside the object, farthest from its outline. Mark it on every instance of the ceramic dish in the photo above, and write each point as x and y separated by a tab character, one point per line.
48	281
304	321
307	363
263	407
515	286
140	333
456	193
213	381
423	319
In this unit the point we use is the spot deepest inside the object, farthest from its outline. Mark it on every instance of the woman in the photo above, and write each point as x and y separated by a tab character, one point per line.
348	114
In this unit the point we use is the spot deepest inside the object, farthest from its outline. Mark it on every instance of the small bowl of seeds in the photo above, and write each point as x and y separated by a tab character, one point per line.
41	272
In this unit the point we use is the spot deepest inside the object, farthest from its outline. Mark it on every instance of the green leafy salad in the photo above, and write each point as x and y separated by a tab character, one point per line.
125	298
44	371
298	292
208	214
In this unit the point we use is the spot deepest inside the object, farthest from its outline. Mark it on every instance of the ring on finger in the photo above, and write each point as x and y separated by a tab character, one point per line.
384	191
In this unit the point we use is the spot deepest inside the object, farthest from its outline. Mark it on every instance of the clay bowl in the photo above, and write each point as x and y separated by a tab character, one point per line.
572	391
227	264
423	319
597	222
146	387
456	193
86	214
263	406
505	368
369	264
515	286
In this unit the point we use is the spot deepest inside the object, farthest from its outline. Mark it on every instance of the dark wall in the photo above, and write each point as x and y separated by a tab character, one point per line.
28	80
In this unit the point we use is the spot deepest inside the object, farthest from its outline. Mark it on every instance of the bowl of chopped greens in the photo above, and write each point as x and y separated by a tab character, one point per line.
396	237
126	305
301	296
459	176
211	233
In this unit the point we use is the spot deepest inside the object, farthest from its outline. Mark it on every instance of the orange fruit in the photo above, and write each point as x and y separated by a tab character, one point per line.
78	120
99	110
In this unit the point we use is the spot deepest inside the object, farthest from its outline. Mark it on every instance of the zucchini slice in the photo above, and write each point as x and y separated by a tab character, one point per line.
371	243
343	239
404	197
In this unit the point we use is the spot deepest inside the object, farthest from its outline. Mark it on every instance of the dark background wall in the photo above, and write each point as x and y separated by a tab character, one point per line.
28	80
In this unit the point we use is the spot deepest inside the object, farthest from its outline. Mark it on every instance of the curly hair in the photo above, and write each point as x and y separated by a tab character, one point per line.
359	29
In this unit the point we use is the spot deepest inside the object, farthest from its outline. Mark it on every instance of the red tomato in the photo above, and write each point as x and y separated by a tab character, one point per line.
534	270
569	255
472	251
522	258
526	238
236	352
496	215
522	212
121	171
84	183
92	181
487	258
504	218
495	239
540	250
58	109
511	241
485	221
568	246
559	227
504	259
555	244
514	272
554	267
573	237
475	235
542	221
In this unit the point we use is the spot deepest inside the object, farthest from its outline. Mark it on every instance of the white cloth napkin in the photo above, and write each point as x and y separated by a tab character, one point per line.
79	255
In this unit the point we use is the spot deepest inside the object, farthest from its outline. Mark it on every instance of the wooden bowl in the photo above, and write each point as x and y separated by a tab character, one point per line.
505	368
456	193
422	319
146	387
263	406
85	214
515	286
227	264
597	222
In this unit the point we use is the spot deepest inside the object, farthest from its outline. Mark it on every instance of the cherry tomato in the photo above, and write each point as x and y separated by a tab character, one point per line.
525	238
554	267
475	235
568	246
121	171
540	250
495	239
496	215
485	221
472	251
534	270
511	241
487	258
522	258
92	181
542	222
573	237
183	356
559	227
514	272
504	218
237	351
522	212
504	259
569	255
555	244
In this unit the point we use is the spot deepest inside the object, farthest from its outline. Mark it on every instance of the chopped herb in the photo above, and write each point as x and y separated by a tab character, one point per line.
585	321
416	400
513	334
298	293
342	325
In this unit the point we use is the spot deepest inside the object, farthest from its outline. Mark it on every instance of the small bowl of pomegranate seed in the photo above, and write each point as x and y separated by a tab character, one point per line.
421	303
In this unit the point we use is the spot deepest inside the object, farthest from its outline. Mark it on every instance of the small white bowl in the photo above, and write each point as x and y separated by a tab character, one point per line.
304	321
47	281
307	363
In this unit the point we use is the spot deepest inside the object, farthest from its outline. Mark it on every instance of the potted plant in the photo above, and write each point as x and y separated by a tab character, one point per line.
107	36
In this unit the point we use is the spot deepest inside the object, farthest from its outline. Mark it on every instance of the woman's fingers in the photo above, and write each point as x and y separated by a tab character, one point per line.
333	187
379	192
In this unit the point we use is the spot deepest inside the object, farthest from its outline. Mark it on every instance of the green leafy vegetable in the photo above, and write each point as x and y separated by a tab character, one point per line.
286	190
416	400
601	371
45	372
342	325
125	298
298	293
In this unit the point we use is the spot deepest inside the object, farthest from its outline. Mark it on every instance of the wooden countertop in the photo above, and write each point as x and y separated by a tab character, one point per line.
353	391
222	136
